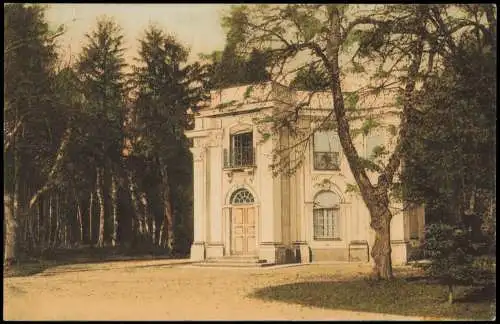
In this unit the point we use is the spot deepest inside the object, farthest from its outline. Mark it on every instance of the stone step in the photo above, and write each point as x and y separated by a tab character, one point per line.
234	264
235	259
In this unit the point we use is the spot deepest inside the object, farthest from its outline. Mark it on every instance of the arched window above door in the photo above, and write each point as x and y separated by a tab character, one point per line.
242	197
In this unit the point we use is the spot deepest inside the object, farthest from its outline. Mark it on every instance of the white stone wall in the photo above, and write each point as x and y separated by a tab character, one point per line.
284	207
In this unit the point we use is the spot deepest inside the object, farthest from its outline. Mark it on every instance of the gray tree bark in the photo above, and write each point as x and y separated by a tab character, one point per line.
114	202
100	196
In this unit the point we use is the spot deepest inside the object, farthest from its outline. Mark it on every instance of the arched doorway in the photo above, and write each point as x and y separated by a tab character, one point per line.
243	223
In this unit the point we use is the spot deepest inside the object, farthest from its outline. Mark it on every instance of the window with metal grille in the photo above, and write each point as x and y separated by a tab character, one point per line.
326	216
326	155
241	153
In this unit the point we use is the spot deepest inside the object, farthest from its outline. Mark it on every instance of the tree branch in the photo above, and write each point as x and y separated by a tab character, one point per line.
395	159
7	142
55	167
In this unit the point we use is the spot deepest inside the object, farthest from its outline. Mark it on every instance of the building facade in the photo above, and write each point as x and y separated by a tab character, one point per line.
242	208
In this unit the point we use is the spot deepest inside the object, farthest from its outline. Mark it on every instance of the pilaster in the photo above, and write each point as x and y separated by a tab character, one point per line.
199	207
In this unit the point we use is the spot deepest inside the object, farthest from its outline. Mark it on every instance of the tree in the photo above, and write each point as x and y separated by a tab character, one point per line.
450	252
34	122
100	68
230	67
164	91
450	160
394	47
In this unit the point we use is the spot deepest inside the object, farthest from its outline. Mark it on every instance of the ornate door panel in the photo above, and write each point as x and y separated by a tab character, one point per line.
250	230
243	238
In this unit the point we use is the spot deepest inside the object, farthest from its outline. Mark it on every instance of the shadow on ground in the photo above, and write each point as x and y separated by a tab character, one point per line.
399	296
81	256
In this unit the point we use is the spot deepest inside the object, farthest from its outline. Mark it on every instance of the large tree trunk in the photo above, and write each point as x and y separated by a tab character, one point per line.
375	197
379	211
381	250
100	196
114	203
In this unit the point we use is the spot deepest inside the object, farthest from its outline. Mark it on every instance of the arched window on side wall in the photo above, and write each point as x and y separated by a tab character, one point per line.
326	216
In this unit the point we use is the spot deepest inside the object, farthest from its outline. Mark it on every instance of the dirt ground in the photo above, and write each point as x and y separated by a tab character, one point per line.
168	290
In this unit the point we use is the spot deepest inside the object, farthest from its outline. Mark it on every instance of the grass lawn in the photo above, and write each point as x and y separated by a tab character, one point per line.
410	296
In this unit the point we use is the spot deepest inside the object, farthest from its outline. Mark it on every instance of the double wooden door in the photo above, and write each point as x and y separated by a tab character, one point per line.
243	238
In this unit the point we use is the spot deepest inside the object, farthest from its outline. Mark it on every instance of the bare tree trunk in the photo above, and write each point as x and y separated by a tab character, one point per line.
61	152
450	293
100	196
56	234
13	235
39	211
91	209
153	230
51	218
161	236
146	215
168	221
79	217
114	202
10	229
135	204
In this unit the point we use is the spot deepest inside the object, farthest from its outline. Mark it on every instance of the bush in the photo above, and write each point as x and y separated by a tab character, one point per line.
452	256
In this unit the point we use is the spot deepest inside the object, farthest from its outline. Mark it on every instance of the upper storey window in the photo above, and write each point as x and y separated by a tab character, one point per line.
326	150
241	153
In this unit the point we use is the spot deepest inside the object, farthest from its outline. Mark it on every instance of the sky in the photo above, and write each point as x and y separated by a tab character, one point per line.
196	26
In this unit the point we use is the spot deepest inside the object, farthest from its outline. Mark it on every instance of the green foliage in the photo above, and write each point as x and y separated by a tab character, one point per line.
451	254
369	124
165	89
369	164
223	105
352	188
351	100
311	78
396	191
100	68
34	118
451	155
357	68
228	68
248	92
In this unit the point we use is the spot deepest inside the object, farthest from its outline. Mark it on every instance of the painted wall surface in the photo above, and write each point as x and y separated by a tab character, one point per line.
283	205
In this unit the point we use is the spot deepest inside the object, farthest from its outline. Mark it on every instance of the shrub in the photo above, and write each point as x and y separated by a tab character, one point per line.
451	254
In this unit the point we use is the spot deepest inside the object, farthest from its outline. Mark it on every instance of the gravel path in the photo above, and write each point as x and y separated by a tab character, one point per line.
168	290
